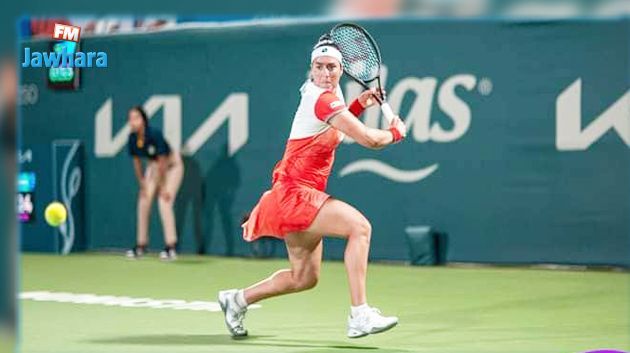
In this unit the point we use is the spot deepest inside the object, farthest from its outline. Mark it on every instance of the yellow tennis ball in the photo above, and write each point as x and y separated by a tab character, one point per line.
55	214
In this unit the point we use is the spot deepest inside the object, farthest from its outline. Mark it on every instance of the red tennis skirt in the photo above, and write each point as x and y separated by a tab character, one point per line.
286	208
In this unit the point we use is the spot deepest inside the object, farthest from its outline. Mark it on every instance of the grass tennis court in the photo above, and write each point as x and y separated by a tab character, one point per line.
441	309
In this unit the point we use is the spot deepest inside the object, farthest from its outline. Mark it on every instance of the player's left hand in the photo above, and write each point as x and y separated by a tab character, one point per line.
367	97
398	129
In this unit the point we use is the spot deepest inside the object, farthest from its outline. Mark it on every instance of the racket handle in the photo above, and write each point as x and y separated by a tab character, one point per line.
388	113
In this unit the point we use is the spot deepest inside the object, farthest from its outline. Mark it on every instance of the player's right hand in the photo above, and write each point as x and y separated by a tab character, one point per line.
366	98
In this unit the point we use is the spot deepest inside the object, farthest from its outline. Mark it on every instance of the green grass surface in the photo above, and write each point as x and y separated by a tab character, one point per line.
6	340
454	310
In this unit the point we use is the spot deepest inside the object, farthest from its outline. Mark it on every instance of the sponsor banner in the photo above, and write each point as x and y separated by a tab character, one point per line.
517	145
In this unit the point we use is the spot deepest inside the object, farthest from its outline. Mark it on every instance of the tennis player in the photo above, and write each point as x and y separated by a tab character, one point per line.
297	208
163	175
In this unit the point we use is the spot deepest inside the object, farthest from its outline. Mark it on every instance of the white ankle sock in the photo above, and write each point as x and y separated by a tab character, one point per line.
356	310
240	298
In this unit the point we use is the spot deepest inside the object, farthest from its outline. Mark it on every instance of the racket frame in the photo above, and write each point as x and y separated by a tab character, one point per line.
385	107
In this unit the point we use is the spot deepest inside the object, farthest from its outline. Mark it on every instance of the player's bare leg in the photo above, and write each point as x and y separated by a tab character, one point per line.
305	256
337	218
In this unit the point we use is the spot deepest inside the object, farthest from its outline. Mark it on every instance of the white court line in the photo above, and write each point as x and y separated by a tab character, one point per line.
127	302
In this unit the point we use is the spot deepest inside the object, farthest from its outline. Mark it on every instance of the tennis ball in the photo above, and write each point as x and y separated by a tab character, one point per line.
55	214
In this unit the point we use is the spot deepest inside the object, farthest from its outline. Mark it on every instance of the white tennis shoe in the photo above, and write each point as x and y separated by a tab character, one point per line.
234	314
369	321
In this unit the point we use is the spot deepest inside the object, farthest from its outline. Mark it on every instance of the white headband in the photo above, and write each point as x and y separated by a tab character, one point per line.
326	50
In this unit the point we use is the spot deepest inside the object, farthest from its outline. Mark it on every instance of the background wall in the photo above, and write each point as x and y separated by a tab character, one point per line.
518	141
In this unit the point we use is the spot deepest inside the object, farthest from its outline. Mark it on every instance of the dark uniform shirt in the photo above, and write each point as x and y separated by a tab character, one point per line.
152	146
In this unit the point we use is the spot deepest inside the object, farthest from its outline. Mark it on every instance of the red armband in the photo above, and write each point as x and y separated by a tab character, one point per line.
396	134
356	108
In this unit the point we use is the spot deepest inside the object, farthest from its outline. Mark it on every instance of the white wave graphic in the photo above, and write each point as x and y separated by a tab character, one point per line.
387	171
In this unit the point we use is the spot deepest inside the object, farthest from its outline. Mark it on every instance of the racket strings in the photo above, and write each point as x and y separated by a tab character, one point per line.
360	58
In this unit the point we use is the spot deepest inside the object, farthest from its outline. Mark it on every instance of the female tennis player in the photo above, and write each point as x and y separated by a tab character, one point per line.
163	174
298	210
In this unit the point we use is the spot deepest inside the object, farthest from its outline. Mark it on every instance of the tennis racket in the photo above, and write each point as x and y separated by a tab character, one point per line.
361	59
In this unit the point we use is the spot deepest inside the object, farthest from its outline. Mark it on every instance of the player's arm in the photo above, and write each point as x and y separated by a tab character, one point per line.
330	109
347	123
